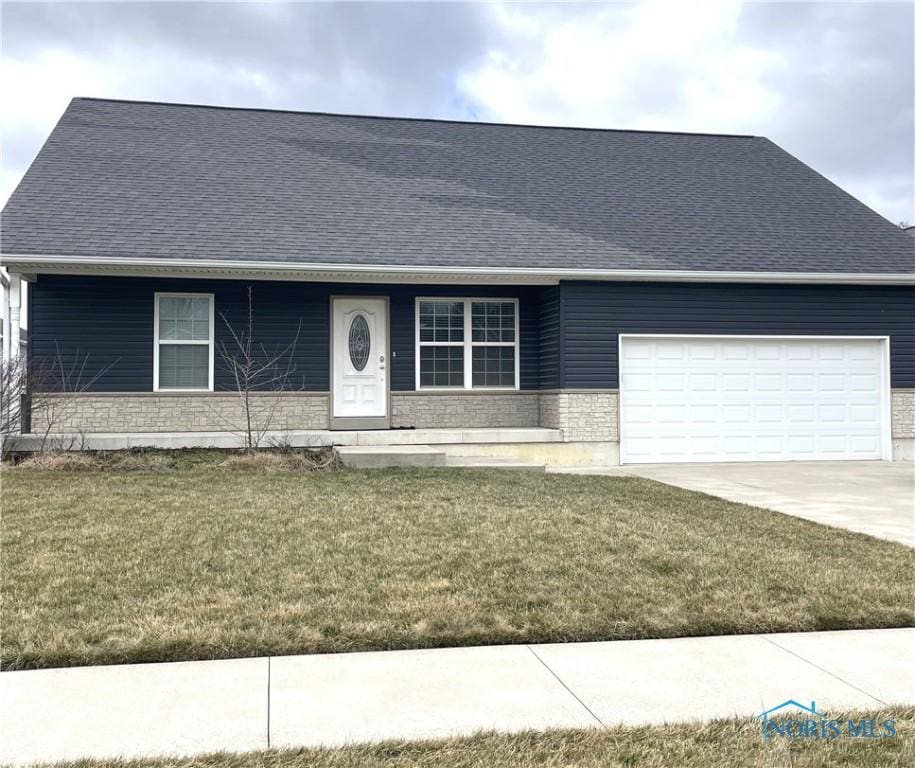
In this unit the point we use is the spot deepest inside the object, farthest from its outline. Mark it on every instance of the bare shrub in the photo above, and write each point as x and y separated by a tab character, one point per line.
12	390
260	377
51	384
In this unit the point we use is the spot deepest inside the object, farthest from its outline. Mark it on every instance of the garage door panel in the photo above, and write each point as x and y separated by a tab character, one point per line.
770	445
801	352
863	414
801	446
714	399
800	382
802	414
737	414
674	351
862	382
833	444
700	351
832	352
766	352
770	414
735	352
768	382
702	382
701	413
670	382
832	382
638	382
737	445
833	414
709	446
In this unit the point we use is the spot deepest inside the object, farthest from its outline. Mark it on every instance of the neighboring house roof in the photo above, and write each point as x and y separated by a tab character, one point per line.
910	231
191	184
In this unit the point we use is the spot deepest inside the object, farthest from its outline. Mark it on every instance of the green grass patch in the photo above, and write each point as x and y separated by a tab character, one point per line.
213	561
721	744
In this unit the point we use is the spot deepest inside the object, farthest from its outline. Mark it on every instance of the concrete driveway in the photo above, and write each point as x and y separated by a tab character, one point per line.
872	497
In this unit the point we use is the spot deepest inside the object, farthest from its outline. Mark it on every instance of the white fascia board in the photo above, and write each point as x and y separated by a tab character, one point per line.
416	274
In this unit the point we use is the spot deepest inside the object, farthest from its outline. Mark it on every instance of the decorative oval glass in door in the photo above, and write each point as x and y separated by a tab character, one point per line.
360	342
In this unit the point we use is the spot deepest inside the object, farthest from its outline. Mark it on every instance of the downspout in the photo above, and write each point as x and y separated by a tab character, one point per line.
12	336
5	281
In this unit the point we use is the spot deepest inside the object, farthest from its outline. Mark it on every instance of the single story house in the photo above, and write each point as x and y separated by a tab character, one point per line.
606	295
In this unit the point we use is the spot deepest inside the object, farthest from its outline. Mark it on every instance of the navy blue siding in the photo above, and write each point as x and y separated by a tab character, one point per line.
594	314
550	349
110	320
569	333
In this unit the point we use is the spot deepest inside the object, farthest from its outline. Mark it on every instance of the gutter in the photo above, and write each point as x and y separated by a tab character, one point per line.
95	265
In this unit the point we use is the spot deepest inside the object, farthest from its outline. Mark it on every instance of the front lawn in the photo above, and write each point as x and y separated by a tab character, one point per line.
204	561
721	744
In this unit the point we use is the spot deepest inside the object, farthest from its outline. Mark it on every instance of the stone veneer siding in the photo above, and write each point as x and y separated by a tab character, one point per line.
903	413
159	412
582	416
470	410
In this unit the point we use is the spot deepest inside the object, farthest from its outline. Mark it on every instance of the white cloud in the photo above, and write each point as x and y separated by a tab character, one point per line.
830	82
656	65
36	89
33	93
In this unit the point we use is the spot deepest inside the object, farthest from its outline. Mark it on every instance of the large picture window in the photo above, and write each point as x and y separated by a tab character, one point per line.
467	343
183	354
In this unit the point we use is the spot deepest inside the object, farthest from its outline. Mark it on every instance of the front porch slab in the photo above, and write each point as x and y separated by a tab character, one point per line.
114	441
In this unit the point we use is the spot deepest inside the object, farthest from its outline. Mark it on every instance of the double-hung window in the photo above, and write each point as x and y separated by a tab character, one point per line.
467	344
183	353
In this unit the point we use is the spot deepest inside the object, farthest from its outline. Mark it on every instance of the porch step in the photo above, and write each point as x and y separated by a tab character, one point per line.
495	462
378	456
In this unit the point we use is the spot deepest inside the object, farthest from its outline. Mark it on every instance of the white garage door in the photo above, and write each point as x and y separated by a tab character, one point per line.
704	398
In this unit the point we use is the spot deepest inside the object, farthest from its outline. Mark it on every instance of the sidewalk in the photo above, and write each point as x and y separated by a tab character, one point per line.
245	704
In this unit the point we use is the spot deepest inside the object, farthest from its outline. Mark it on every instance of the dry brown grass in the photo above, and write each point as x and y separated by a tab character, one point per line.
55	461
721	744
182	459
308	461
213	562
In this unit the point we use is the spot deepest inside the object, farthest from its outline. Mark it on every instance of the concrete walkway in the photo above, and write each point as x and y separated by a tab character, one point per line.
872	497
246	704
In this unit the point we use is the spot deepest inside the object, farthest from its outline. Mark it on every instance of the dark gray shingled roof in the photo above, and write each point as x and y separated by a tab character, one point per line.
138	179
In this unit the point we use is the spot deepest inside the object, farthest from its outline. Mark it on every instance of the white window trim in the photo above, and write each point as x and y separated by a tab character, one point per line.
210	342
468	344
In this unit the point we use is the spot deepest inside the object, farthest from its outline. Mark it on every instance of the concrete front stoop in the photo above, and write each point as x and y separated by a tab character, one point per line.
380	456
495	462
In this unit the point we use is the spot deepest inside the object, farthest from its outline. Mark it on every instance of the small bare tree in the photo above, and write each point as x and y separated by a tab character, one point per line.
12	390
260	377
40	391
51	385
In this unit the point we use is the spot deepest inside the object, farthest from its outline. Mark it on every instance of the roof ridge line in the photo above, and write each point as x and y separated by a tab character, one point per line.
452	121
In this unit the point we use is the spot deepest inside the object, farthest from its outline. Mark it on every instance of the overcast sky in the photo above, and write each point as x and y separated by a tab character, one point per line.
831	82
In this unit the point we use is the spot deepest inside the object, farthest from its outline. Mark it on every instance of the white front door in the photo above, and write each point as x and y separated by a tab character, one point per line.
360	360
752	399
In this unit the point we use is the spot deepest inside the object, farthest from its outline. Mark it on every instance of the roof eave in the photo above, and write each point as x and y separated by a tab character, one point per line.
378	273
